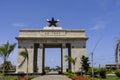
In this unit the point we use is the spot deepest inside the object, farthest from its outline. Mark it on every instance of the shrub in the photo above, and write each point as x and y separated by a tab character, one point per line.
96	71
69	74
103	72
109	71
117	72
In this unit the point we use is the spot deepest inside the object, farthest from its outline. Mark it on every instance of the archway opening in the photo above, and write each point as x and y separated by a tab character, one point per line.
52	60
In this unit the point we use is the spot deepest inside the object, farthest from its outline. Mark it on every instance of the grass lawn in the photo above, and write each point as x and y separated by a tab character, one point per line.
15	77
10	77
109	78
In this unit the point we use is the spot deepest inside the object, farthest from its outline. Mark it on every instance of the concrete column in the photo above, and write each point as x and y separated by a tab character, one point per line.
35	57
43	66
31	59
69	54
41	59
63	54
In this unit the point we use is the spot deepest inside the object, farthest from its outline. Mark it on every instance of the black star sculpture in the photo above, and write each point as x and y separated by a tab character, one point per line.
52	22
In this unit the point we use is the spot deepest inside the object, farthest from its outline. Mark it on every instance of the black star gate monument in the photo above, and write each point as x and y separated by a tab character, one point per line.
51	36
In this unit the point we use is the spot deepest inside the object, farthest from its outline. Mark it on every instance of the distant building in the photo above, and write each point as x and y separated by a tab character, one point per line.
111	66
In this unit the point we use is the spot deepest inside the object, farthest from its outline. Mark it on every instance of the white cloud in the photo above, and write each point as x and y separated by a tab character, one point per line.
99	25
19	25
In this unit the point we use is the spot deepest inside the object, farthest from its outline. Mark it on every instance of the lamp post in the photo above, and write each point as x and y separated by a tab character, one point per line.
92	59
92	66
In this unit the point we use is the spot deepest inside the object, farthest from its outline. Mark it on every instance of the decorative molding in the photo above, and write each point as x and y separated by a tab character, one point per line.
51	33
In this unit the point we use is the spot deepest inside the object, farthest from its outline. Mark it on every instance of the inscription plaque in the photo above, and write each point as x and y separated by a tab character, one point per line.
52	33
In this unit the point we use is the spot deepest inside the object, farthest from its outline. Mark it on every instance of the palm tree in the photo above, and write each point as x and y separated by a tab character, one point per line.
72	60
7	65
5	51
24	54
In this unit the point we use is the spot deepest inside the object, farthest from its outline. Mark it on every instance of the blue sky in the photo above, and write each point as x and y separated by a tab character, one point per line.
100	19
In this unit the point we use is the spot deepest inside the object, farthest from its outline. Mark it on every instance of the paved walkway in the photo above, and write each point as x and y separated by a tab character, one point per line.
53	72
52	77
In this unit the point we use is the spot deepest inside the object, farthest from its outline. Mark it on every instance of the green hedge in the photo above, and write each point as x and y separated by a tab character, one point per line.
117	72
98	72
103	72
69	74
10	71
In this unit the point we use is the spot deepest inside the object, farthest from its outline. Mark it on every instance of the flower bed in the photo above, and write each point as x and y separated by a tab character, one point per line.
23	78
78	78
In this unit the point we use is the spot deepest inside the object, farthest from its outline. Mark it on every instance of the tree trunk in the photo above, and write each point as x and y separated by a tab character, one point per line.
74	69
27	67
3	71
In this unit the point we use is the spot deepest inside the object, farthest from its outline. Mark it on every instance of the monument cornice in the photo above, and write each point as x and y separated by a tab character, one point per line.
32	38
80	34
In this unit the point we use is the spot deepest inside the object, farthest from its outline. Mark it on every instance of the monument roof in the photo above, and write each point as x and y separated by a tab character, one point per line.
66	34
52	30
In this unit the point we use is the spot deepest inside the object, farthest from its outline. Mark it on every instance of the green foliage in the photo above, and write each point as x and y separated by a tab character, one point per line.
7	66
96	71
72	60
11	77
117	72
110	71
5	51
25	55
103	72
85	63
16	77
58	68
47	69
69	74
108	78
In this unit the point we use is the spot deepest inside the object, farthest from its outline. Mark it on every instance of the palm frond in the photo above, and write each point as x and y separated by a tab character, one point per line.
1	51
11	47
22	62
6	49
70	59
24	54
